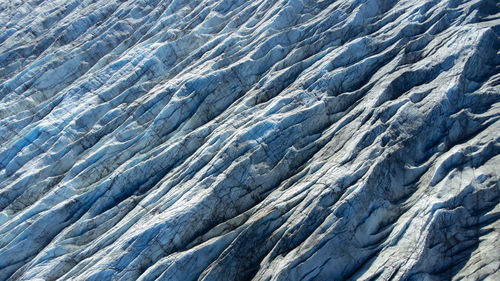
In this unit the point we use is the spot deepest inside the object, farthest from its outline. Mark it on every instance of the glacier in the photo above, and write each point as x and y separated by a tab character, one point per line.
249	140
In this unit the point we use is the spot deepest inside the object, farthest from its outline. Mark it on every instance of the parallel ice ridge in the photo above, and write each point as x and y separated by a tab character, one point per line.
237	140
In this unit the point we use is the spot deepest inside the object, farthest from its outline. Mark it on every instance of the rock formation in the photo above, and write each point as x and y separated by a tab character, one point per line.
249	140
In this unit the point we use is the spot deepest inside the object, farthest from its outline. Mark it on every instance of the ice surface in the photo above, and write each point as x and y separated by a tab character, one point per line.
249	140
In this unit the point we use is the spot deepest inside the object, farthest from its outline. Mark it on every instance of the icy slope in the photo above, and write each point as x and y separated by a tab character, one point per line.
238	140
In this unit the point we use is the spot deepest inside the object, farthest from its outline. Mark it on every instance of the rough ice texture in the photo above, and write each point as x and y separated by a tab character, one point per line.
236	140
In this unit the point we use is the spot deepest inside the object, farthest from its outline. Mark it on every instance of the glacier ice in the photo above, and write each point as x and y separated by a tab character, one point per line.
249	140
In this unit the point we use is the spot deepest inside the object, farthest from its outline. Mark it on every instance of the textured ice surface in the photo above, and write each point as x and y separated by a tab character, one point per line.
236	140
